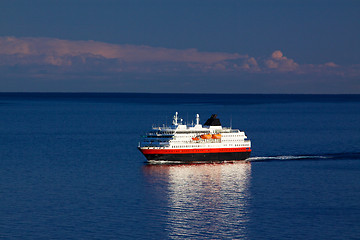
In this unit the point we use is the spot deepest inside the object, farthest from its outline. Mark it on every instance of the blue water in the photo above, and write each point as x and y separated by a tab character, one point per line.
69	169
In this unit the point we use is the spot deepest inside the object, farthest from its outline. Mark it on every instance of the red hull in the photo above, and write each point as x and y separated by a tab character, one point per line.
203	154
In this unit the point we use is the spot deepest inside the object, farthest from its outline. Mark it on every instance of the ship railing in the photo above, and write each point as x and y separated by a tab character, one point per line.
161	134
230	130
164	144
153	147
234	131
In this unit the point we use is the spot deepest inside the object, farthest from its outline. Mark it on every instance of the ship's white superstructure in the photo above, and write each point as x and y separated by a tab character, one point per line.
195	142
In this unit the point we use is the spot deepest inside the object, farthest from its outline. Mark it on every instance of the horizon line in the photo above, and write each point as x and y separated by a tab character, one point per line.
176	93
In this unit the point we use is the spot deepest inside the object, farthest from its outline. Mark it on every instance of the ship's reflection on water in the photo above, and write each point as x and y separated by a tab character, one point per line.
205	200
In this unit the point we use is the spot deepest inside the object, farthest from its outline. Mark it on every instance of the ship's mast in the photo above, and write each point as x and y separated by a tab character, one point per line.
175	119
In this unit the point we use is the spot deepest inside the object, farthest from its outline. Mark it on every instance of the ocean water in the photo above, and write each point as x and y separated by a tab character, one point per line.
70	169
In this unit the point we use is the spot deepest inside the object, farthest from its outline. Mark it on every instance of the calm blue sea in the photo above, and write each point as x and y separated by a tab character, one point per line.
70	169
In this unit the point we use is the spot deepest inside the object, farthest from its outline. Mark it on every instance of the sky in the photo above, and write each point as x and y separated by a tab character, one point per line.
180	46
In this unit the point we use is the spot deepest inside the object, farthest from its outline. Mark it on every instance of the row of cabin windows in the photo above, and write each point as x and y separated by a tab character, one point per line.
186	136
193	146
232	140
185	146
237	145
150	136
196	132
194	136
200	150
187	132
154	141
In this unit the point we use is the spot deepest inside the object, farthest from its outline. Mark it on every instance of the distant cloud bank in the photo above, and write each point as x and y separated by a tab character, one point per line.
56	52
49	57
118	58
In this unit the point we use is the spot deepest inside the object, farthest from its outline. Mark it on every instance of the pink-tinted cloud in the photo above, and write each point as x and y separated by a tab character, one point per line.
280	63
91	56
57	48
331	64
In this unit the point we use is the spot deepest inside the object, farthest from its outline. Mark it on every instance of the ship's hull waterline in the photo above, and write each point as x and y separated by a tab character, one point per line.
198	157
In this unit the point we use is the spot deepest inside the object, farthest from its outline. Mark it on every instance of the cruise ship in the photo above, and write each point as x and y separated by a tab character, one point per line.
195	142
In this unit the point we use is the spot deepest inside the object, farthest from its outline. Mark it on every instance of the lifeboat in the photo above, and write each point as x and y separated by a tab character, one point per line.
206	136
216	136
195	139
